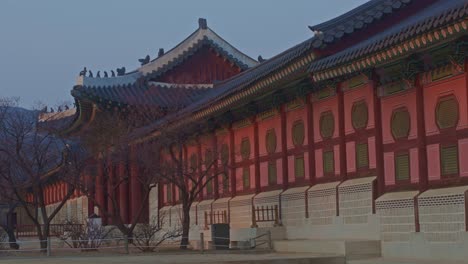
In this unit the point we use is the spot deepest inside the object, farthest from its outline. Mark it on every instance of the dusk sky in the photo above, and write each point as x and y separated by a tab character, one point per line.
44	44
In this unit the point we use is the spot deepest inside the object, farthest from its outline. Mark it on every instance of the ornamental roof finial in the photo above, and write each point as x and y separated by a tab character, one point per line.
160	52
202	23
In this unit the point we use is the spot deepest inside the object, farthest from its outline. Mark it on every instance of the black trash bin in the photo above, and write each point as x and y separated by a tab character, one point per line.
220	236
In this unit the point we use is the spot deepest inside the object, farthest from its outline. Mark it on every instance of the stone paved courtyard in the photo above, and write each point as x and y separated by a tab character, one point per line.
269	258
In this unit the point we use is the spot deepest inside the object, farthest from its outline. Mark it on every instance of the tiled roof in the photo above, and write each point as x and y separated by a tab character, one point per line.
192	43
438	14
235	84
201	37
356	19
243	79
153	94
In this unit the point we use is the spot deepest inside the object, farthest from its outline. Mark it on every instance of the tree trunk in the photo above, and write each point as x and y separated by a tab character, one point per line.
43	234
11	237
185	227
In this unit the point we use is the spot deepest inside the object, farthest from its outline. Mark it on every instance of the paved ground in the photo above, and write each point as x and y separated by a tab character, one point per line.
269	258
403	261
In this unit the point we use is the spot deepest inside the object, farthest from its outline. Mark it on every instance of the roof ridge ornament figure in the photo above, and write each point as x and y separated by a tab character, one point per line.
90	74
202	23
83	72
112	73
98	75
120	71
106	75
260	58
160	52
145	60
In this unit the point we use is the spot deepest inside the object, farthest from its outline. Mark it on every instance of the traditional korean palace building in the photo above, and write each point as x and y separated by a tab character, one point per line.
358	133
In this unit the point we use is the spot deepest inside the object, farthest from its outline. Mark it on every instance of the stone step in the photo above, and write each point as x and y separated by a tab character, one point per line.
352	249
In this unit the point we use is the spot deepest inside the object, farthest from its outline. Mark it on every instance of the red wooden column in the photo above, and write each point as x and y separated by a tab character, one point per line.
215	183
92	189
284	147
199	170
342	136
421	124
123	193
135	186
110	192
379	152
232	161
256	156
310	138
99	190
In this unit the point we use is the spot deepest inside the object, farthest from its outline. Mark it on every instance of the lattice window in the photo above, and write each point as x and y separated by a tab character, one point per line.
400	123
299	170
224	154
362	155
272	173
193	161
402	167
449	160
270	140
327	124
298	133
447	112
208	158
246	178
328	161
359	115
245	148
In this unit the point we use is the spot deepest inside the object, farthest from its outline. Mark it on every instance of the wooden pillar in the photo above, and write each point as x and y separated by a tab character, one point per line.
421	139
284	147
256	156
310	139
215	183
341	133
379	152
199	168
99	190
135	187
110	192
123	193
232	162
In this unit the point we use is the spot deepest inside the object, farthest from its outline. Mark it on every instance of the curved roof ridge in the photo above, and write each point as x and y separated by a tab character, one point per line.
356	19
181	85
400	32
191	41
122	80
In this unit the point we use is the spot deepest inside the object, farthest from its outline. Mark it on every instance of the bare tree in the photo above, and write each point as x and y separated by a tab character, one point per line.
176	169
31	159
107	139
148	236
87	237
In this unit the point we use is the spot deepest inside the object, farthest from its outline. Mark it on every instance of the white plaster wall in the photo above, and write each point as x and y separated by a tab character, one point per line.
293	207
153	204
240	211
